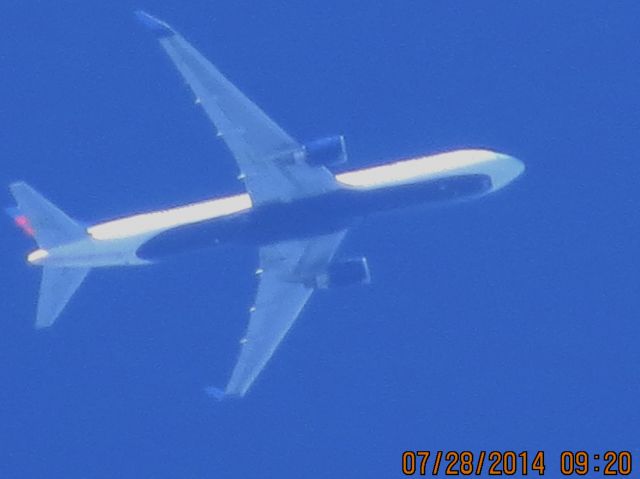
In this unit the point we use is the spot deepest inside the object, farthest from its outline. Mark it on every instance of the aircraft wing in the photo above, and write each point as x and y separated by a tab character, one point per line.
270	160
287	271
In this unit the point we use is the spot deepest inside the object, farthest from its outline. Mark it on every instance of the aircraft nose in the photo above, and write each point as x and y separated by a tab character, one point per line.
507	169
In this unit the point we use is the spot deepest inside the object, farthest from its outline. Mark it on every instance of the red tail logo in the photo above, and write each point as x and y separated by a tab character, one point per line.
23	223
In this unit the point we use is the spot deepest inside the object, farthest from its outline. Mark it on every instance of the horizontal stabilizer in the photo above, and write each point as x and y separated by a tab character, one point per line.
41	219
56	289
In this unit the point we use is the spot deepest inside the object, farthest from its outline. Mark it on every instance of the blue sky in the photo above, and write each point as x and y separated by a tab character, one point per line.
507	323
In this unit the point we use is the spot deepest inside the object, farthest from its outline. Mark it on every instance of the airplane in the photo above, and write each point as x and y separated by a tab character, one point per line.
295	211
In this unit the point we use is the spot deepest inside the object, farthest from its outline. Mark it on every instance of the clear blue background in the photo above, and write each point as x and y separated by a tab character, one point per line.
507	323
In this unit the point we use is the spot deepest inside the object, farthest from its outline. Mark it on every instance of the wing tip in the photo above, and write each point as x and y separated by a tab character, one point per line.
43	325
155	26
215	393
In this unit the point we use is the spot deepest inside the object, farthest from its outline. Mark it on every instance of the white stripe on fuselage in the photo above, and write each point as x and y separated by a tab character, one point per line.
162	220
501	168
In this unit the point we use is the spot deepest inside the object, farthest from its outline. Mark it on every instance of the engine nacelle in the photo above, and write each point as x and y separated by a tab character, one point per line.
345	273
328	151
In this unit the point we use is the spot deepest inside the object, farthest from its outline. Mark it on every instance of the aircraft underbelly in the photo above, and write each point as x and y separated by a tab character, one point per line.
310	217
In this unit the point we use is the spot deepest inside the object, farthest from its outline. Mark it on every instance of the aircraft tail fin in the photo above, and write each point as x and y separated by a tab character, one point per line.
39	218
50	227
56	289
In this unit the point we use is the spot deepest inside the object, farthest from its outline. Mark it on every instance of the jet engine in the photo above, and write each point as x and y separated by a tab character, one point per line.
344	273
328	151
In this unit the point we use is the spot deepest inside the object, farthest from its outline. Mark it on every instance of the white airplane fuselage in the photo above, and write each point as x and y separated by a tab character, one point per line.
144	238
295	209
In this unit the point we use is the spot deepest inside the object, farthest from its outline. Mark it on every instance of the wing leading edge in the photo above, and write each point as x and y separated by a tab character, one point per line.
270	160
286	283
